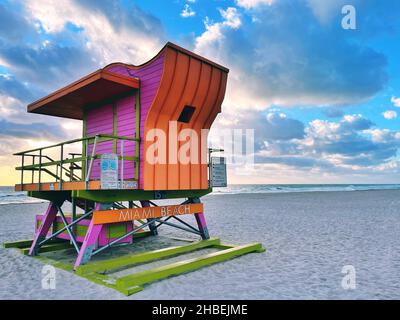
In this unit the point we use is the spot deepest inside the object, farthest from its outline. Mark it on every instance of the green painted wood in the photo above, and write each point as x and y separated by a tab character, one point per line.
20	244
137	135
129	285
180	267
131	260
80	159
50	247
131	290
134	195
99	136
84	151
116	230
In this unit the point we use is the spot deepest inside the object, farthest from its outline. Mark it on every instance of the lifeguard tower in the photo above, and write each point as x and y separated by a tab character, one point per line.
112	178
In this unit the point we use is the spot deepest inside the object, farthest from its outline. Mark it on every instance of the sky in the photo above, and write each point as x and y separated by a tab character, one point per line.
324	101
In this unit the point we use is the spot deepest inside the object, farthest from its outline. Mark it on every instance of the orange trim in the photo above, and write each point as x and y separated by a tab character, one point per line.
75	105
176	48
113	216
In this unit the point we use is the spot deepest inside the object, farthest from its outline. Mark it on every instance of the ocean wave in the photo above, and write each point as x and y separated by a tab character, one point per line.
239	189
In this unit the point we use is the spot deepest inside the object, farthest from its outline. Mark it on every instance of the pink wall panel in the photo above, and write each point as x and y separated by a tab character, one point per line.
150	77
126	124
100	121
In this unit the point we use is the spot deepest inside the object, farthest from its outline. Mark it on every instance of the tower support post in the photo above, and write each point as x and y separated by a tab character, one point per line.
47	222
201	221
91	239
152	225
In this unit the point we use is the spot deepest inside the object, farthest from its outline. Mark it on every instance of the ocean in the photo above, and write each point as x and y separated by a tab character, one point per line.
9	196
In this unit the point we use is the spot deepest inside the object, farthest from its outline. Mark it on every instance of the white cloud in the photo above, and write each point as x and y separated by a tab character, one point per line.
250	4
389	114
187	12
395	101
326	10
231	17
106	41
214	31
10	106
279	59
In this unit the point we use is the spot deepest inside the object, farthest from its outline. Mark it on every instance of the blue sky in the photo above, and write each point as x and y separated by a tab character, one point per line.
322	99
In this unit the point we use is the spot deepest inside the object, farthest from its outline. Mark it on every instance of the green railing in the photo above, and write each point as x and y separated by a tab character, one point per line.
44	164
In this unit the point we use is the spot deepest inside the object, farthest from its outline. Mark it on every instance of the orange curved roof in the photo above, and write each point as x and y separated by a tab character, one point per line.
187	79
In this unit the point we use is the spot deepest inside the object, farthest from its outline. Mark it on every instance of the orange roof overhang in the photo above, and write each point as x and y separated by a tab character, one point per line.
70	101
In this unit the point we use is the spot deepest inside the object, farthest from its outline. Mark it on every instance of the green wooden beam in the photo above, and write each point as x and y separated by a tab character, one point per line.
112	265
21	244
155	274
50	247
84	151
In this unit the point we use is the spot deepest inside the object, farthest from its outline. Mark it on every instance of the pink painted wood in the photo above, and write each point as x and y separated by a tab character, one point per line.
41	233
90	241
150	77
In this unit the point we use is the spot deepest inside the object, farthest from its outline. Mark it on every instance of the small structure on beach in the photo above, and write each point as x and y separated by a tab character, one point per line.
129	113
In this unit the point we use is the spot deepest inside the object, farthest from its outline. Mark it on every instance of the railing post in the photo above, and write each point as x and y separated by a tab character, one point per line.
61	166
86	158
40	170
91	161
73	215
33	171
122	163
22	172
71	168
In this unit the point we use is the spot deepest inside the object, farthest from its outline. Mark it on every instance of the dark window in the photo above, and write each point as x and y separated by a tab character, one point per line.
186	114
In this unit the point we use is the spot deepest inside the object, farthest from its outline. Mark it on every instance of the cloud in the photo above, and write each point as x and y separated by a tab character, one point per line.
326	10
59	63
333	112
279	127
214	31
286	57
395	101
389	114
351	141
110	31
13	26
250	4
351	145
32	130
187	11
9	86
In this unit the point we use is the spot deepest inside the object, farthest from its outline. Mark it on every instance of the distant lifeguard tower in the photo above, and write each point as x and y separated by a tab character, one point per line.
112	179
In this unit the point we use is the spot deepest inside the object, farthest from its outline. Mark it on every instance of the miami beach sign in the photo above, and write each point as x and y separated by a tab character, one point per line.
113	216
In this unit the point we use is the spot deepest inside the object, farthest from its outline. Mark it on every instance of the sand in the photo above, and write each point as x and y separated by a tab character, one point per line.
309	237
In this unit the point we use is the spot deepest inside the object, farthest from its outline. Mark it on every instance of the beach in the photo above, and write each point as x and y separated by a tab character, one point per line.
308	236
